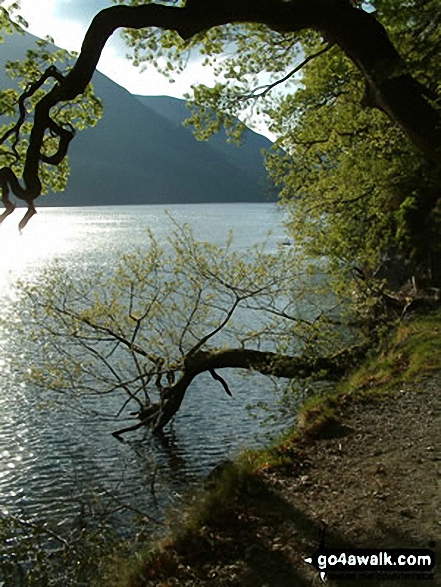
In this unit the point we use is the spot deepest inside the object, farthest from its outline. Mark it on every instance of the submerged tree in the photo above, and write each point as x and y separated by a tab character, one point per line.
170	313
264	35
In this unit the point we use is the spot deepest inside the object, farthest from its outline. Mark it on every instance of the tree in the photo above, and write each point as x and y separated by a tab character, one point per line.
168	316
170	313
353	167
276	26
32	79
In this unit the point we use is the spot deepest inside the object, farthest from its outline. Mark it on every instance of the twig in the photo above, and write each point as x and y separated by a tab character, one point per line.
221	381
267	88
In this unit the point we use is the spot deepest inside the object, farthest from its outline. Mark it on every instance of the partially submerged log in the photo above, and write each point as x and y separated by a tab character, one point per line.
157	415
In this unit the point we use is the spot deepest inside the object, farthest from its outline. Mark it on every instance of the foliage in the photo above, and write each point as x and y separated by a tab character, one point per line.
10	21
83	112
353	180
134	332
238	53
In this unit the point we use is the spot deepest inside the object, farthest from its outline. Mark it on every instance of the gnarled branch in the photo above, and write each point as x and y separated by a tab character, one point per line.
331	368
363	39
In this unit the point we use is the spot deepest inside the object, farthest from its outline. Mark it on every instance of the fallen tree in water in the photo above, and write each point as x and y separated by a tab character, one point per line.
157	415
169	314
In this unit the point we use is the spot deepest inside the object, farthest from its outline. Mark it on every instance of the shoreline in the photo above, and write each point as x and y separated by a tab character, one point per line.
364	464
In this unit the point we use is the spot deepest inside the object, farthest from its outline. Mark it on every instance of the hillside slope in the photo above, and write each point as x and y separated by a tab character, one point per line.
137	156
248	158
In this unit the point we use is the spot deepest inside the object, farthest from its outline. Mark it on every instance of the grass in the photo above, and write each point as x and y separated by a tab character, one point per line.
413	352
206	528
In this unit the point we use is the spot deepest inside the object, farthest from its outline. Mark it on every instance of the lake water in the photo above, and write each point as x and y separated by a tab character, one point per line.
58	462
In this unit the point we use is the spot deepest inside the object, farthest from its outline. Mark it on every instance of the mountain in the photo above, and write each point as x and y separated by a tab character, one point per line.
248	158
139	153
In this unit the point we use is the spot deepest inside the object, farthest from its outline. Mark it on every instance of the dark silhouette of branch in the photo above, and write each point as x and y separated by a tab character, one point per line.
117	434
268	87
360	35
218	328
331	368
221	381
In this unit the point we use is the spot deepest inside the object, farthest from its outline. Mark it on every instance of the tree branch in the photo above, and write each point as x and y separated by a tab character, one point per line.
331	368
276	364
267	88
218	328
358	34
221	381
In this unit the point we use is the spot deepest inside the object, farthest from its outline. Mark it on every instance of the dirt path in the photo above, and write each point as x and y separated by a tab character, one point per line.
377	486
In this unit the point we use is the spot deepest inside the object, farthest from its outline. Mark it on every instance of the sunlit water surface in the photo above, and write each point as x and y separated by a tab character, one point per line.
59	462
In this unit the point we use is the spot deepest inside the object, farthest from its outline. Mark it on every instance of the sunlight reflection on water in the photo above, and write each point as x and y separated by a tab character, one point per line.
52	459
43	239
83	234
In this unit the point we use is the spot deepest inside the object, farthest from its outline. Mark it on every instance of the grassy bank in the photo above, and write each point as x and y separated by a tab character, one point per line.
221	529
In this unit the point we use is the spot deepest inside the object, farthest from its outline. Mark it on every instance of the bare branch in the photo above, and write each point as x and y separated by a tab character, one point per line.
224	322
221	381
268	87
191	315
105	329
101	358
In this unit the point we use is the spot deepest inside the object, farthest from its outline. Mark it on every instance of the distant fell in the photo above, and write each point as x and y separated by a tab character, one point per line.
139	153
248	157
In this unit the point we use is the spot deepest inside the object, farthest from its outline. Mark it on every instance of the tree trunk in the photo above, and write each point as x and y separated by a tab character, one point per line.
364	40
157	416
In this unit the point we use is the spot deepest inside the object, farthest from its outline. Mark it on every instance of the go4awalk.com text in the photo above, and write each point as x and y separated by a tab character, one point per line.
388	563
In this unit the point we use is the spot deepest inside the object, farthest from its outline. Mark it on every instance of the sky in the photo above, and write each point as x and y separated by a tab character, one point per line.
67	22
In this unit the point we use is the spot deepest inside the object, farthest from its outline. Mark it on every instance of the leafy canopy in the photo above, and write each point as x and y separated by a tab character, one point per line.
353	179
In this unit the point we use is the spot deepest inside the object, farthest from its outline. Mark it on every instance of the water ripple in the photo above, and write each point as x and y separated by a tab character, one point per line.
55	462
